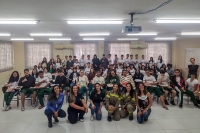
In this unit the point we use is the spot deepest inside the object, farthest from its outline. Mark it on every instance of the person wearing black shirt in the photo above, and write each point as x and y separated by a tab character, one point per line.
193	68
73	76
104	62
96	102
138	77
70	62
26	82
95	63
61	80
77	106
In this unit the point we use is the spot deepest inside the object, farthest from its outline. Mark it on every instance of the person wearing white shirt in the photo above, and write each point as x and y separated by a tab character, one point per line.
99	79
82	62
87	69
136	61
164	83
131	60
70	71
164	71
151	62
132	70
47	74
76	63
109	59
121	60
127	60
192	84
143	60
88	60
58	63
42	83
119	70
82	82
150	82
160	61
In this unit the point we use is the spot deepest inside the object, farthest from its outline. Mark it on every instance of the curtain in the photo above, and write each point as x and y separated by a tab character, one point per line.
35	52
86	49
6	56
119	49
159	48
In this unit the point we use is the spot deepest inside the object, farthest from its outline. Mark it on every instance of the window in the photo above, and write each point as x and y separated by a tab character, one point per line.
35	52
118	49
86	49
6	56
159	48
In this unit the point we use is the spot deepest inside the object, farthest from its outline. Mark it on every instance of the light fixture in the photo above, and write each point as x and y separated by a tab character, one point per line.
59	39
46	34
93	38
4	34
22	39
18	22
94	22
176	20
127	38
165	38
144	34
94	34
190	33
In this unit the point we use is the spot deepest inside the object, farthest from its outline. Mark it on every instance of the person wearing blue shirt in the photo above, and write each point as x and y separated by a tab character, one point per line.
54	105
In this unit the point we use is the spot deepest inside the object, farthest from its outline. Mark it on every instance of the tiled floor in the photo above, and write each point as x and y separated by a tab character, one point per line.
174	120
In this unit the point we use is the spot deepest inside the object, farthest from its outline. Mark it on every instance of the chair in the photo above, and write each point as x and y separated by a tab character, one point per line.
15	98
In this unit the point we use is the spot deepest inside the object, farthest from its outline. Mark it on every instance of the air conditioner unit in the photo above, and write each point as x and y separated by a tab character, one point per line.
139	45
63	47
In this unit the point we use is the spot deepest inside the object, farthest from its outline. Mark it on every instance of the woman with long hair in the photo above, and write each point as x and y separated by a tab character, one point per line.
112	100
44	62
151	61
143	102
90	76
54	105
10	85
95	62
128	105
112	79
82	82
160	61
138	77
126	78
77	106
193	68
58	63
96	102
40	67
47	74
35	73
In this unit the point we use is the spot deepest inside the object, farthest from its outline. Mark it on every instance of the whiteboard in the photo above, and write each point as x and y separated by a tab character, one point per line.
192	53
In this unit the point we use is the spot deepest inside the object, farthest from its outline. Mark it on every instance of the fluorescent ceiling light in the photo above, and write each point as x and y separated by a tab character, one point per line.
46	34
4	34
143	34
177	20
93	38
165	38
127	38
190	33
57	39
18	22
94	34
94	22
25	39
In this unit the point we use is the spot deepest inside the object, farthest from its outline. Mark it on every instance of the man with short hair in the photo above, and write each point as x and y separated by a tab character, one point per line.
88	60
136	61
121	60
70	63
131	60
65	60
61	80
43	84
115	61
109	59
104	62
87	69
74	58
27	82
127	60
143	60
82	62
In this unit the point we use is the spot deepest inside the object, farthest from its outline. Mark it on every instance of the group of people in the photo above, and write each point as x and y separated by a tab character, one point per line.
123	86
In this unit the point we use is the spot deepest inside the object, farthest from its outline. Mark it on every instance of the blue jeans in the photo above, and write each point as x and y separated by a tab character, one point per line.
141	118
95	110
82	90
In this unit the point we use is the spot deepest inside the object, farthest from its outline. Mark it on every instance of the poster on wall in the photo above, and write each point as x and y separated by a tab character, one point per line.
192	53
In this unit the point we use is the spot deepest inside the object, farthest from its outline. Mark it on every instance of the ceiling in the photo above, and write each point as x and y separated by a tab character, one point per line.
53	13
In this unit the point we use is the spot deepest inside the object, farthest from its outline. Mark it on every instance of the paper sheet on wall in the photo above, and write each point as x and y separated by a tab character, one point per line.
192	53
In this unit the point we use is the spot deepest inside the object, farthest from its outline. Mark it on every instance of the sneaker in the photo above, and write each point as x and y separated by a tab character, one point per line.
56	119
197	106
7	108
33	105
4	108
23	109
40	107
181	105
81	120
166	102
145	119
109	118
172	103
50	125
92	117
130	118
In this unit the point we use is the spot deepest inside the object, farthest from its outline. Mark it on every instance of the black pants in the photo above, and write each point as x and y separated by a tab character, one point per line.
49	114
73	116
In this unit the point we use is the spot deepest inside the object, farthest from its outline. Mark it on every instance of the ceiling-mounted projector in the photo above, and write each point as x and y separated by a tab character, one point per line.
130	28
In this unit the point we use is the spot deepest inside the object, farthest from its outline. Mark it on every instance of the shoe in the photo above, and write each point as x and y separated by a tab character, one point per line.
197	106
172	103
56	119
7	108
81	120
181	105
4	108
33	105
92	117
23	109
40	107
50	125
166	107
109	118
145	119
166	102
130	118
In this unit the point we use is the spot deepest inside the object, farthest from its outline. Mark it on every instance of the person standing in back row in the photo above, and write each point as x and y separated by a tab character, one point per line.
193	68
82	62
70	63
104	62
